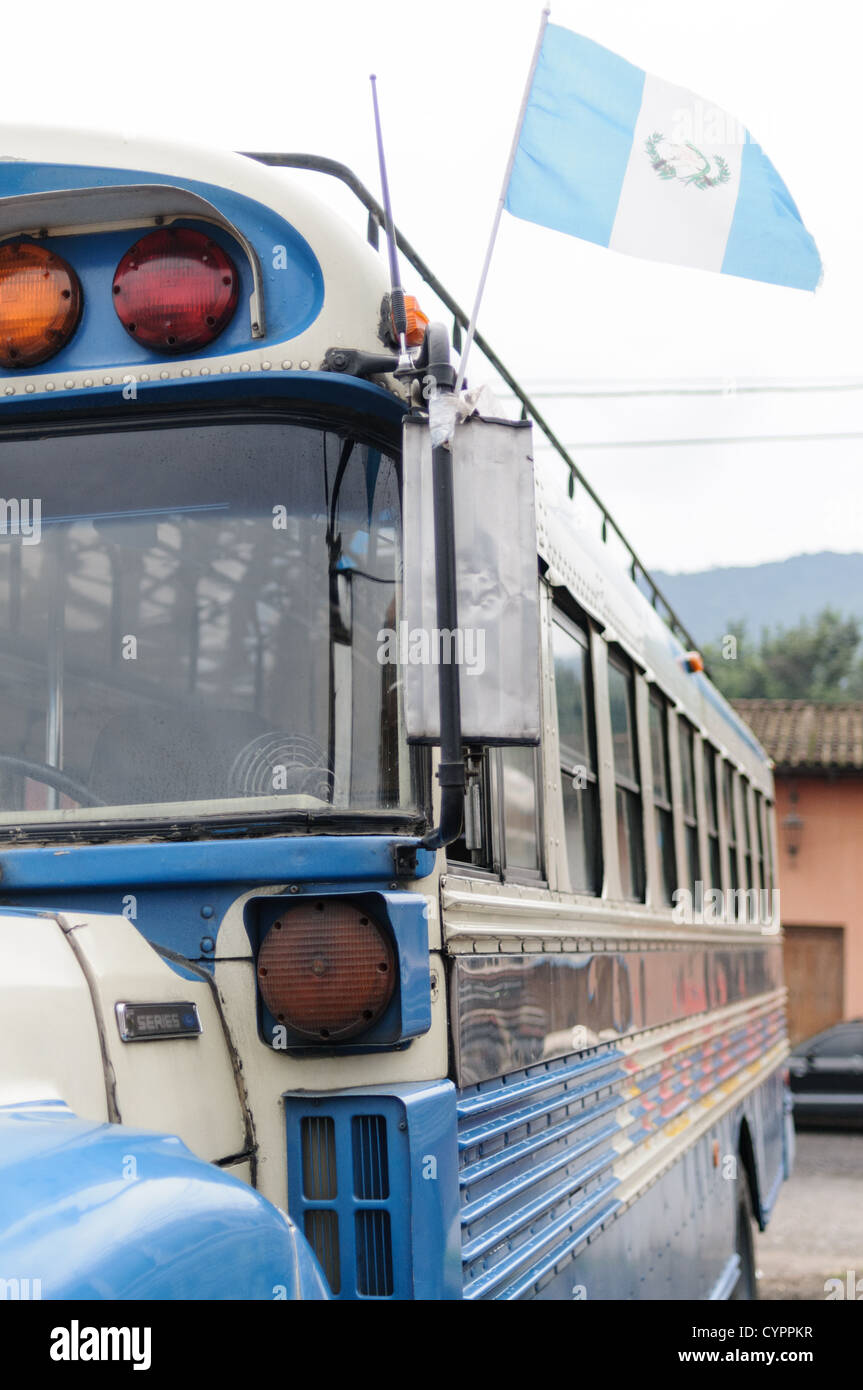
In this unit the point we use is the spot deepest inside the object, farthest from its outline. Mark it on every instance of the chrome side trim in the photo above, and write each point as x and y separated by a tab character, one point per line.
514	1010
725	1284
540	1179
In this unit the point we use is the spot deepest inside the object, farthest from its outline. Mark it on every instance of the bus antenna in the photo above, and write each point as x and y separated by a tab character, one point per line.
397	294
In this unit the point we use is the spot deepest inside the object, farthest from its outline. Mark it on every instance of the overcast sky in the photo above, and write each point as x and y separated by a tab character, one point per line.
559	311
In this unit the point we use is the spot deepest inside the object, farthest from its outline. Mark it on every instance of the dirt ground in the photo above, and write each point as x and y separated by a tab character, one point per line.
816	1231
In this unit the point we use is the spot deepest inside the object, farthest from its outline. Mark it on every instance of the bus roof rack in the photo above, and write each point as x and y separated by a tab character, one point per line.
319	164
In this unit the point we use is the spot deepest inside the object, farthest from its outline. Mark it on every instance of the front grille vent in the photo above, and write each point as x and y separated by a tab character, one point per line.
322	1233
369	1143
374	1253
345	1193
320	1181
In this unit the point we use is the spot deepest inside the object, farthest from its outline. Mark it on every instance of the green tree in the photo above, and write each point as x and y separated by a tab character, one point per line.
818	660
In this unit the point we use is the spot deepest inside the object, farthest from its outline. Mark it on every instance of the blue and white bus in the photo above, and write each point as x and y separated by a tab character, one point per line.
269	1028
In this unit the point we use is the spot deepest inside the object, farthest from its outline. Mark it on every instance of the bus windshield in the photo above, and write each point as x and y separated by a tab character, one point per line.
189	619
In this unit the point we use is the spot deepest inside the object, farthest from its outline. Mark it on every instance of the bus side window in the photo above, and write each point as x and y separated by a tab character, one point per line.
662	794
712	818
760	870
630	838
501	830
475	844
731	828
577	758
520	811
690	817
769	866
746	795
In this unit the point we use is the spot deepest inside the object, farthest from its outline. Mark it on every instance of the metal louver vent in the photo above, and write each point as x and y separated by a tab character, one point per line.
349	1190
320	1180
374	1253
322	1233
320	1184
371	1172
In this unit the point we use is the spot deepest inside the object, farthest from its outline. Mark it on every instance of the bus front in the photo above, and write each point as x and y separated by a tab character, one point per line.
216	924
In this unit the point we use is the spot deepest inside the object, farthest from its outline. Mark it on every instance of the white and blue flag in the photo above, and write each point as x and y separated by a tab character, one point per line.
613	155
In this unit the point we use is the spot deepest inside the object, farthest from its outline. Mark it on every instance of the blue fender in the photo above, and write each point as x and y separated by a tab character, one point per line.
101	1211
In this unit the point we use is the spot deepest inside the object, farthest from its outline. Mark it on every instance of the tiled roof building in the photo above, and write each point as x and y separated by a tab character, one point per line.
817	750
800	735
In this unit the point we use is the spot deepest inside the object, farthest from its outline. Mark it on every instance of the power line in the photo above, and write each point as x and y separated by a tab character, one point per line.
712	439
730	388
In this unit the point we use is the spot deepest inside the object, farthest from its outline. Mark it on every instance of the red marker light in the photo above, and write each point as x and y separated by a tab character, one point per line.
40	304
175	290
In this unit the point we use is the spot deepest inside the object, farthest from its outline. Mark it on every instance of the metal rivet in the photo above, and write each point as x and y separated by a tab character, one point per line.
205	371
226	369
295	888
287	364
49	386
305	366
245	367
10	391
207	944
265	366
69	384
29	387
145	376
206	910
107	380
88	381
187	371
164	375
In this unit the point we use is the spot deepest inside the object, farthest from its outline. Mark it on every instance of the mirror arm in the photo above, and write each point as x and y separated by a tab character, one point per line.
451	772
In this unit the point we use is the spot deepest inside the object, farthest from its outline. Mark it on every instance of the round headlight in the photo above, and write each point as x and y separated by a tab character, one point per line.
326	970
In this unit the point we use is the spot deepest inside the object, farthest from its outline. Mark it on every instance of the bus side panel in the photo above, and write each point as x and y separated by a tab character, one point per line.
655	1130
767	1117
676	1241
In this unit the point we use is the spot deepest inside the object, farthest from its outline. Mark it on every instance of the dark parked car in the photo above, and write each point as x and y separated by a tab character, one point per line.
827	1075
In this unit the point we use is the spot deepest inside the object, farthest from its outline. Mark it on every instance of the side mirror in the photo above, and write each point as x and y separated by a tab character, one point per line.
496	643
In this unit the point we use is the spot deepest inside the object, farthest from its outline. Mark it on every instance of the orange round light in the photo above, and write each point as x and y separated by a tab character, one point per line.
417	322
326	970
40	304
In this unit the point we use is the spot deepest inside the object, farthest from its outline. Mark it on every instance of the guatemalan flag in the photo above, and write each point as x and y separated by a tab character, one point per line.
618	157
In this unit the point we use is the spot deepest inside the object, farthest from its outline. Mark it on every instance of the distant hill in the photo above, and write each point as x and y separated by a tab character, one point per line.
771	595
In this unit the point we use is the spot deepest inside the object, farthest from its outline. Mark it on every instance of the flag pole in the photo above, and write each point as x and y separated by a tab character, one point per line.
500	203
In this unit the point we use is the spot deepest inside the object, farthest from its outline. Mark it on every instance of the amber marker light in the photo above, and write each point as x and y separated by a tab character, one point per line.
326	970
40	304
417	322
